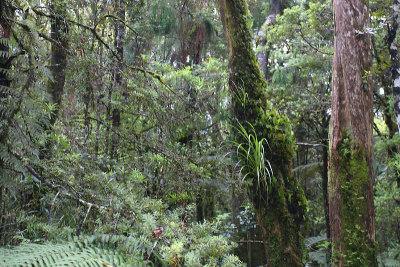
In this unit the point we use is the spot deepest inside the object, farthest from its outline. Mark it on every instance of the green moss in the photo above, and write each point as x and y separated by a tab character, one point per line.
280	210
354	179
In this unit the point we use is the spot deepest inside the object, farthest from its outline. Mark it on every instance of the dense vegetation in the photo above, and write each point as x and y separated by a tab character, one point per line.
197	133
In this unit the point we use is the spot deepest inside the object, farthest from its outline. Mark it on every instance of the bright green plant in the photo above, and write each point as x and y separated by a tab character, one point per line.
251	156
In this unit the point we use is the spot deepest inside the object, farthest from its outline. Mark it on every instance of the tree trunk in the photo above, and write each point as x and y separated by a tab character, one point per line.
262	56
325	195
118	45
58	64
280	210
385	80
394	58
58	57
350	148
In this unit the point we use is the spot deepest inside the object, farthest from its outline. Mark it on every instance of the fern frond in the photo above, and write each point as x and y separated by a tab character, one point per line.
101	250
315	240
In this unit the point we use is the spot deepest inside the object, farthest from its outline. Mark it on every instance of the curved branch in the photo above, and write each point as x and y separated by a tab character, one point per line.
115	54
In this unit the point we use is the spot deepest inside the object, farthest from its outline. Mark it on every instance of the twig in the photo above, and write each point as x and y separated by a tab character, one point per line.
250	241
313	47
52	204
115	54
84	220
68	194
151	251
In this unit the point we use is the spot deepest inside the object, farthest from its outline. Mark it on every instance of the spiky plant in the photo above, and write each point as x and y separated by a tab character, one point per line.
252	157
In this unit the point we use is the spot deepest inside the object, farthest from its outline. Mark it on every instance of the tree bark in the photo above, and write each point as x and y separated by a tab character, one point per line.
350	148
325	195
118	45
58	57
58	61
280	210
262	56
394	58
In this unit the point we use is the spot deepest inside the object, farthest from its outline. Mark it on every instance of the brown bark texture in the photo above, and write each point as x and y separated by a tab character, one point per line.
351	149
394	58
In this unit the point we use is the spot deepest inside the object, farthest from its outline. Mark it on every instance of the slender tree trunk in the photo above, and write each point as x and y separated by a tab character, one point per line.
58	64
262	56
394	58
325	195
98	117
99	99
87	99
280	210
58	57
108	128
385	80
118	45
350	148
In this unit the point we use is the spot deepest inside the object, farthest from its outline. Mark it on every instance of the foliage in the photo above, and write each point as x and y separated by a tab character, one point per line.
164	165
84	251
252	153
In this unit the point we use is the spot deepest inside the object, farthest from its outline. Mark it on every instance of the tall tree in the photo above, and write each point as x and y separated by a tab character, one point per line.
279	204
119	32
58	55
394	58
351	149
58	61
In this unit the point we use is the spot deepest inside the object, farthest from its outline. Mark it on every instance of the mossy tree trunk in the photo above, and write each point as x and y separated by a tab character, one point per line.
119	38
350	146
279	210
58	56
58	64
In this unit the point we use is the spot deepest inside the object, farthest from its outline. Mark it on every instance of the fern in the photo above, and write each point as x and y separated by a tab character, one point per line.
100	250
311	241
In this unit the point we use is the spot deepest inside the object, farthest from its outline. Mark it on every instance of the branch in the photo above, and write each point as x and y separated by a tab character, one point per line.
313	47
119	20
309	144
64	192
115	54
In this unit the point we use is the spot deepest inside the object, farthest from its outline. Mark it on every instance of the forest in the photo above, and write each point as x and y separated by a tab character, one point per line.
199	133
